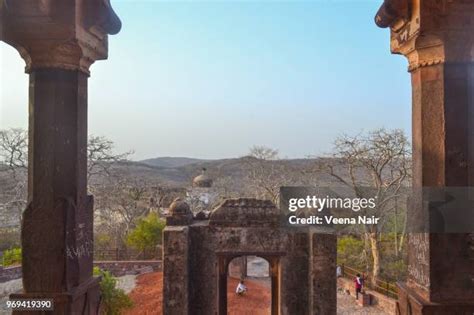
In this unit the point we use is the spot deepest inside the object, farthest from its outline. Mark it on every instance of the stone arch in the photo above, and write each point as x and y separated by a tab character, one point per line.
197	254
273	260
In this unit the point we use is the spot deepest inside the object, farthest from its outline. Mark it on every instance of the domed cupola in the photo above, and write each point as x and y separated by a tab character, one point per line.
203	180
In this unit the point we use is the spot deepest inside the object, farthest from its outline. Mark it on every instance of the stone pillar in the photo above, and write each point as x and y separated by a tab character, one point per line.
323	273
223	271
295	273
436	37
58	40
243	267
176	270
275	275
176	259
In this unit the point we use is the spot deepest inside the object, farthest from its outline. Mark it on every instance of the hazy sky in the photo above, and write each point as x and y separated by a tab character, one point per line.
211	79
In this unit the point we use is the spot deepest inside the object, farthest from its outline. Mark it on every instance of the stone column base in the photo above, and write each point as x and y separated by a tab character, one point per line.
81	300
410	303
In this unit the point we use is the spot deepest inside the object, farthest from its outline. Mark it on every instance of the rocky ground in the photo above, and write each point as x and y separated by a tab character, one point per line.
346	305
147	297
127	283
146	291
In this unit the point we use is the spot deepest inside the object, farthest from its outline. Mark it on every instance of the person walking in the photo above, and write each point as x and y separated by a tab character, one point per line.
358	285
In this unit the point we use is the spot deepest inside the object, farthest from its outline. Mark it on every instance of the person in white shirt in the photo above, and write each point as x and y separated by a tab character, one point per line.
241	288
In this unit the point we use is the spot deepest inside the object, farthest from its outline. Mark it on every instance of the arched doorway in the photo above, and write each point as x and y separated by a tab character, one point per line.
269	281
254	273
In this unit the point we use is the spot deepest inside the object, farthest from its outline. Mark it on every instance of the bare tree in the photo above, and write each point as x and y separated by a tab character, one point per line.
101	156
225	187
13	172
119	204
14	164
380	160
263	153
263	172
266	173
14	148
100	152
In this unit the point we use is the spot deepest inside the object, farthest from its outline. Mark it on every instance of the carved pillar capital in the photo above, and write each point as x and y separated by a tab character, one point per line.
429	32
59	34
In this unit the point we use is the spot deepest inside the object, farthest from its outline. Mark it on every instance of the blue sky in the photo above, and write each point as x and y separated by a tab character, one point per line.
211	79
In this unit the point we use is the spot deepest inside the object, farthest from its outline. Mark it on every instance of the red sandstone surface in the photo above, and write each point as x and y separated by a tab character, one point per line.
257	301
147	297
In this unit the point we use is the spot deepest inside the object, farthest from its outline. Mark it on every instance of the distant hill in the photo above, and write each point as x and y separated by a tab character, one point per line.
179	171
171	162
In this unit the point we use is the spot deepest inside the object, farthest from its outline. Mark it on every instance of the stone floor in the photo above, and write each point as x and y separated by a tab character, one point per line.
346	305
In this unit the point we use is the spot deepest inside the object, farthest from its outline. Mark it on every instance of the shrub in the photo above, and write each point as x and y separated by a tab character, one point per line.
114	300
11	257
147	233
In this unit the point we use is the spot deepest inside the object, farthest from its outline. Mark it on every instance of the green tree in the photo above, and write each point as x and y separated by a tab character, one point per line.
114	300
350	252
147	233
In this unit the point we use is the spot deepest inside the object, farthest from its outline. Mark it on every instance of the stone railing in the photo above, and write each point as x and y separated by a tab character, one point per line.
134	267
116	268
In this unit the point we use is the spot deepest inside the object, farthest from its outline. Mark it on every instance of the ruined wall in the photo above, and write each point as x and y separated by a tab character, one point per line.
196	258
207	242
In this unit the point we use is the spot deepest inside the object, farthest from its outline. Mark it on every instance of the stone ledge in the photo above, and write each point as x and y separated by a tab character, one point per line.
10	273
133	267
245	212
